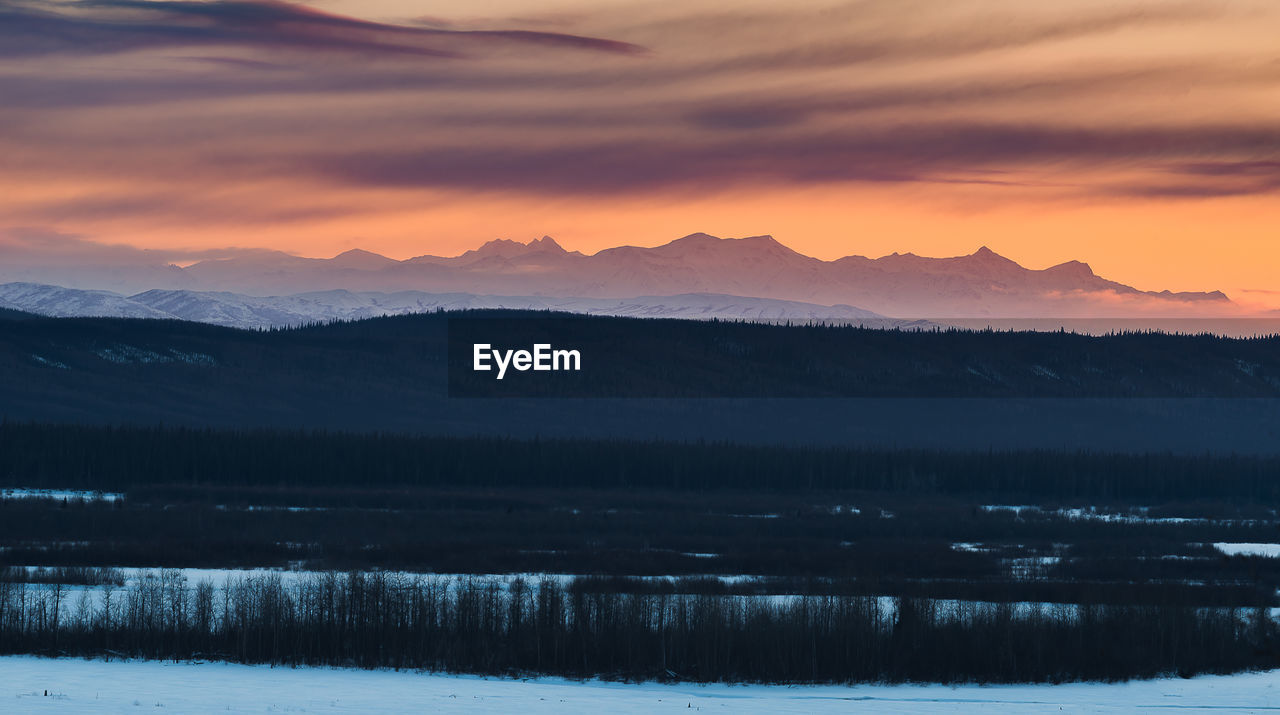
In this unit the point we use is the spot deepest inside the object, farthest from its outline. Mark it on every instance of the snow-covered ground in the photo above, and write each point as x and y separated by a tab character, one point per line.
60	494
1270	550
290	578
1137	515
95	686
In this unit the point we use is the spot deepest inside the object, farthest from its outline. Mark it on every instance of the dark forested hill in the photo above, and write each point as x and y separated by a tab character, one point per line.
843	385
11	314
664	358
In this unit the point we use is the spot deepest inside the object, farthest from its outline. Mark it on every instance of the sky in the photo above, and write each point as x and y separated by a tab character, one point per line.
1140	137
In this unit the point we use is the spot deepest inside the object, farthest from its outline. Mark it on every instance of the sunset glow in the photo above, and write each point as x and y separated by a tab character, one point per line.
1139	137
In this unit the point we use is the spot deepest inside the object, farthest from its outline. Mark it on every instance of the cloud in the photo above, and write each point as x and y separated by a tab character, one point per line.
90	27
781	111
934	35
934	152
39	246
178	111
1215	179
245	207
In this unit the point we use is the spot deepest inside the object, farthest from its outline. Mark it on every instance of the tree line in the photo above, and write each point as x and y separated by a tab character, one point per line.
517	628
929	548
120	458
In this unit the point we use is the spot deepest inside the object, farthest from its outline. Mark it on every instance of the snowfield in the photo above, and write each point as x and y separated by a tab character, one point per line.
1138	515
60	494
251	312
1267	550
95	686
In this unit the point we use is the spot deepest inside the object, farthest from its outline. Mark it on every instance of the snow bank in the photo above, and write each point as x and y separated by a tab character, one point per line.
94	686
60	494
1271	550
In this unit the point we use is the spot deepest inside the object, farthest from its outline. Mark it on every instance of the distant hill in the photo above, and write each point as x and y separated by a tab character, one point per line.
58	302
840	385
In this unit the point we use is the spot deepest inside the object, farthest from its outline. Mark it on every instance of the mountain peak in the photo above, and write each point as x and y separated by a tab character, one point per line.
989	257
546	243
360	258
987	254
507	247
1073	268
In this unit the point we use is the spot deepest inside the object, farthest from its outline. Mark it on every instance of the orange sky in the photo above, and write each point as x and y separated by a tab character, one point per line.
1139	137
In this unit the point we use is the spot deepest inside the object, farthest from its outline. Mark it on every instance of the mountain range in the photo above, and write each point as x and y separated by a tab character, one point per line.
982	284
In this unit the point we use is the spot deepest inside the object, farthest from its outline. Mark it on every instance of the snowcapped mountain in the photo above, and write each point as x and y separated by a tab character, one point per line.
243	311
61	302
980	285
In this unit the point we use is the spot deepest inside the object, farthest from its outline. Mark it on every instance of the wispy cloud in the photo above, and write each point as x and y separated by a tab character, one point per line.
86	27
880	35
39	246
1216	179
934	152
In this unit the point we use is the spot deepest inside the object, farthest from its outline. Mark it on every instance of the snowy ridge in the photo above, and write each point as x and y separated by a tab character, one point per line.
66	303
243	311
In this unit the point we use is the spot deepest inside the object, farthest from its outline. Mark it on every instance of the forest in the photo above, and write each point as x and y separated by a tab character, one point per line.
118	458
626	357
711	381
541	627
631	357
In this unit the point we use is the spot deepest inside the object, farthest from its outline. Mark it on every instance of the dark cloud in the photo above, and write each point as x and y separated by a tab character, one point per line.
31	33
1199	190
784	111
253	48
936	152
111	26
698	121
268	25
1267	170
931	39
1213	179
